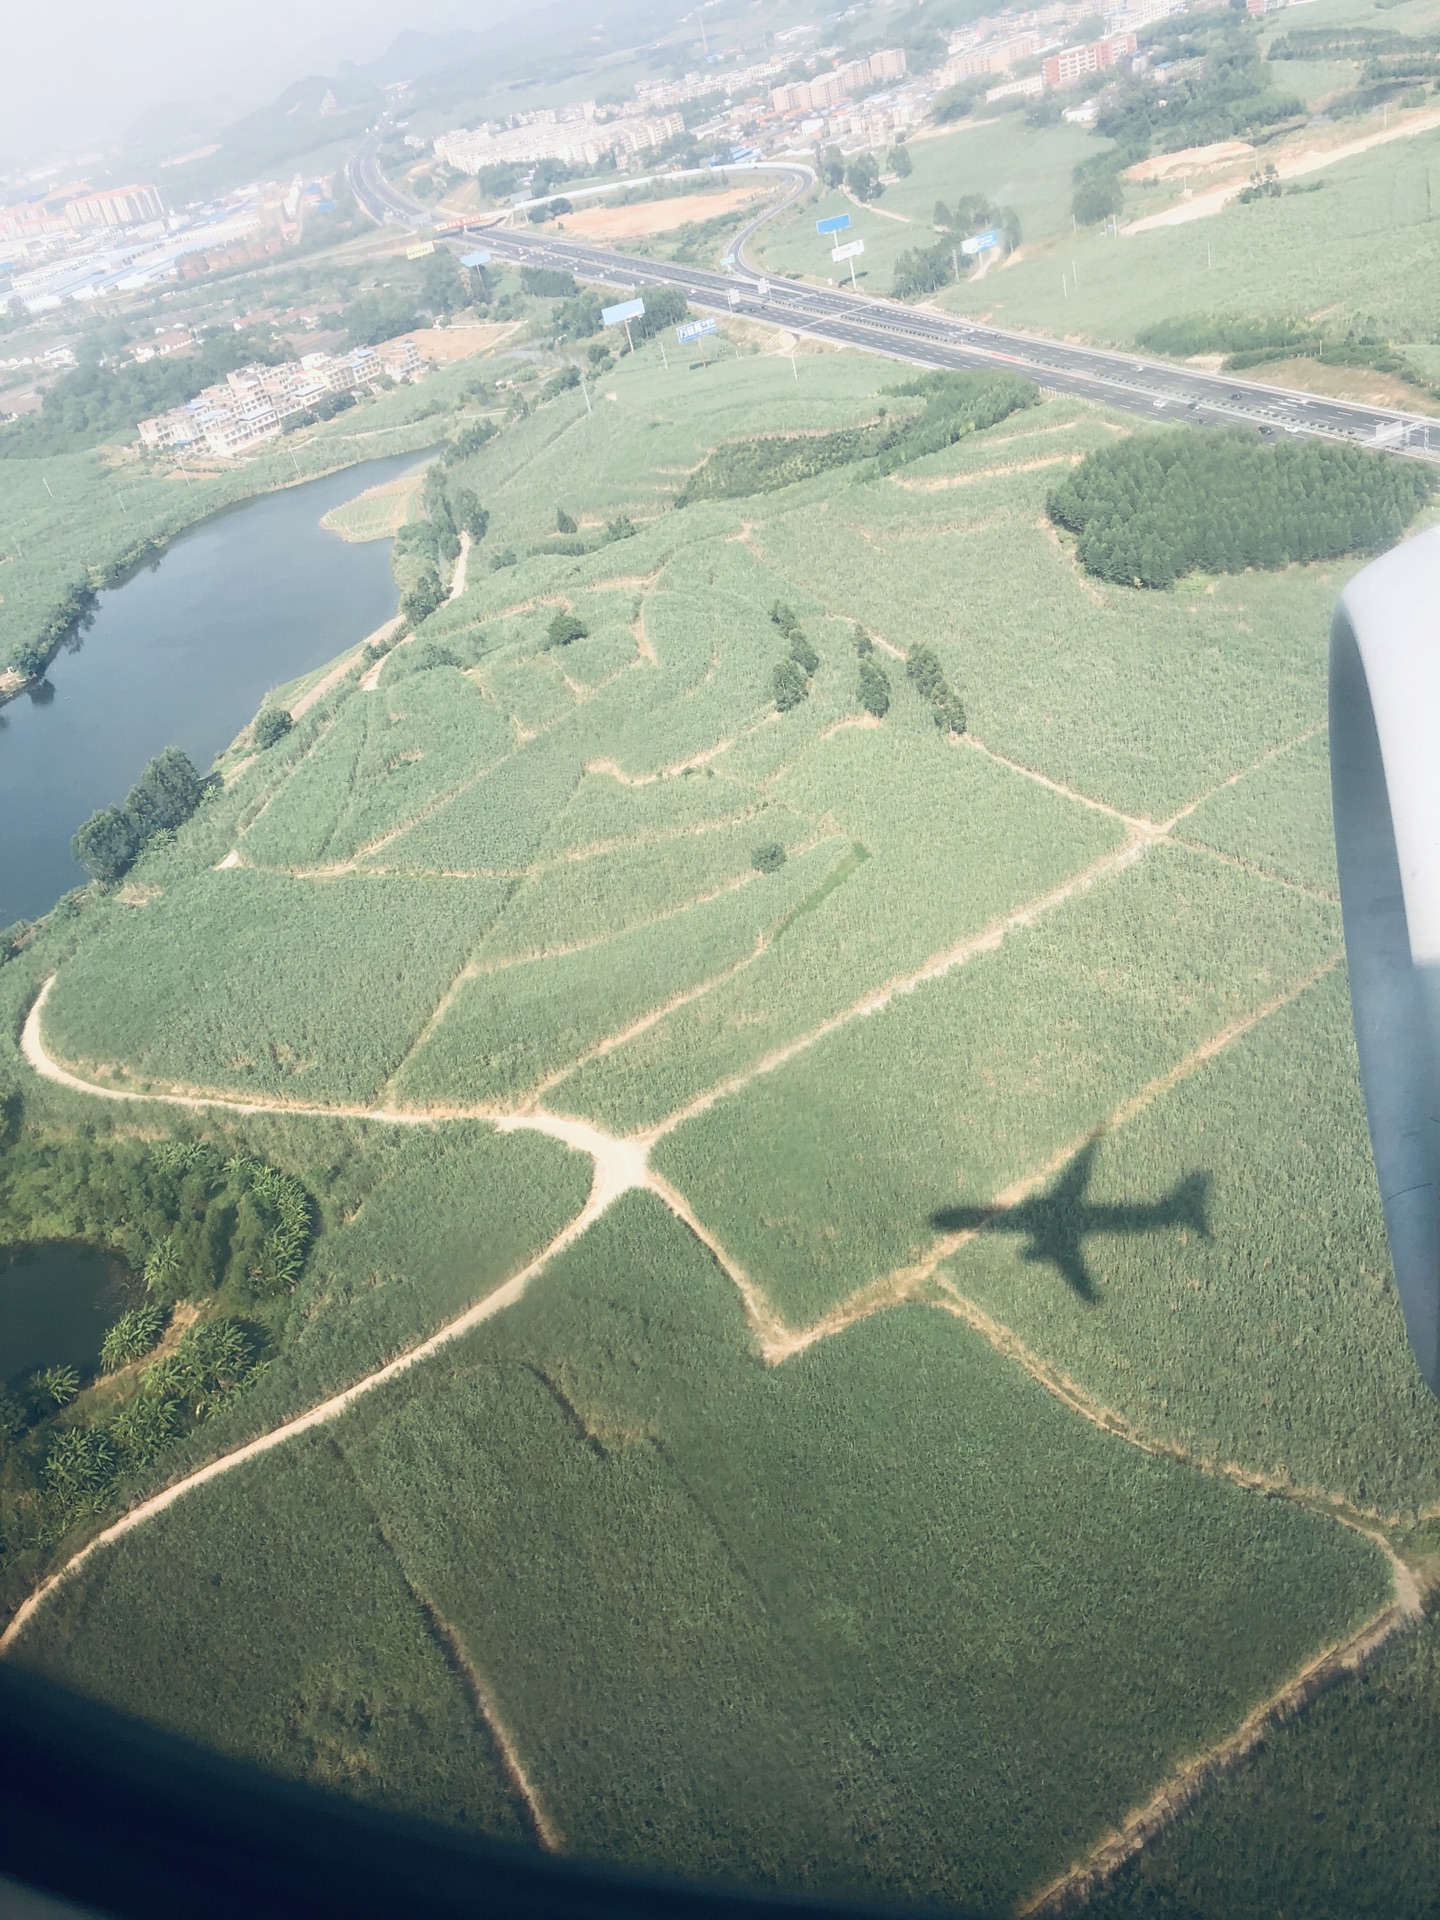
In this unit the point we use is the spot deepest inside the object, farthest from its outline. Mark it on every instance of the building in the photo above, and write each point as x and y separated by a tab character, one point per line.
116	207
1072	64
575	143
1026	89
255	403
997	56
827	90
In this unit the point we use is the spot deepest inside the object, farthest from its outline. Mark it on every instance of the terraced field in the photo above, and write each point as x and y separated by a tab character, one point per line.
972	1389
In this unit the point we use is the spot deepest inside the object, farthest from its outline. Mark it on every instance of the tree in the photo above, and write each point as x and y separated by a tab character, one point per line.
468	512
271	725
768	857
564	628
563	522
863	643
788	686
423	598
862	177
107	845
802	653
830	165
165	795
874	687
442	287
784	617
900	161
1097	197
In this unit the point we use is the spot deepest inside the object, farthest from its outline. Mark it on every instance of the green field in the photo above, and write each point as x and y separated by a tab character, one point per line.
968	1411
822	1685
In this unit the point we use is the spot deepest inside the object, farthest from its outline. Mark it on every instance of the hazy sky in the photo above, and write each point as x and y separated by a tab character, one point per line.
77	73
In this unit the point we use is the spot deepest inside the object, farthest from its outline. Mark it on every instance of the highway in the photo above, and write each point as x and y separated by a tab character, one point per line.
1157	389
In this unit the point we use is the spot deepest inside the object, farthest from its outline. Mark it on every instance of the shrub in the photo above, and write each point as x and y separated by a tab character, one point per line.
507	558
874	688
863	643
769	857
432	654
803	654
131	1337
560	382
784	617
564	628
271	725
563	522
55	1386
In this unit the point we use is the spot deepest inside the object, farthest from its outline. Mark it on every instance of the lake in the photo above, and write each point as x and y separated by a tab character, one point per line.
56	1301
182	655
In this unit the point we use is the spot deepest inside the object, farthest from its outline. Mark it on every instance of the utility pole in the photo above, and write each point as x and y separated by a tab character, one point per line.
1063	288
955	256
586	391
663	361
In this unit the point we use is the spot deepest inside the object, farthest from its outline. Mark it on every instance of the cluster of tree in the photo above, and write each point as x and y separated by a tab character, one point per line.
1391	63
468	441
98	402
1163	504
387	311
790	681
1097	191
162	799
922	270
72	614
563	381
85	1463
955	102
577	318
1229	96
1249	340
549	283
927	676
664	307
956	404
450	510
873	684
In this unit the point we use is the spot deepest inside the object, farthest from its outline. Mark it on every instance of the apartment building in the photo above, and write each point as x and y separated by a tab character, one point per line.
1072	64
827	90
254	403
116	207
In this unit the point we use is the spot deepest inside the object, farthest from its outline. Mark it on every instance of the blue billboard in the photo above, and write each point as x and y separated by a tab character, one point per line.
837	223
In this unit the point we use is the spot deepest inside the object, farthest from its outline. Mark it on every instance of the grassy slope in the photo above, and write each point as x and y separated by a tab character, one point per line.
1147	702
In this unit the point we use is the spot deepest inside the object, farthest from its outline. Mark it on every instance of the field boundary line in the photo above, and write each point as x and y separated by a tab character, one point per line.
1185	1785
1243	773
1137	823
1254	872
987	940
608	1183
905	1283
459	1658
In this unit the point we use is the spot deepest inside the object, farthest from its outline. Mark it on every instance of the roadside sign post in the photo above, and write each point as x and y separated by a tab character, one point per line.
837	223
696	330
980	242
622	314
851	252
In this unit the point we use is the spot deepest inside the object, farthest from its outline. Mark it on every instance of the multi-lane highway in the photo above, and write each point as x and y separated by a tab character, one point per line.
927	337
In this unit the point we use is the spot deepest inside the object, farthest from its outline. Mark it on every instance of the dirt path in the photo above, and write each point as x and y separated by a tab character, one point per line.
1174	1798
609	1183
986	941
462	566
1312	160
337	673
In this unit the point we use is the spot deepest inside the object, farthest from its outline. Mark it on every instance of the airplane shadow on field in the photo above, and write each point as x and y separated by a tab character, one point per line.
1057	1222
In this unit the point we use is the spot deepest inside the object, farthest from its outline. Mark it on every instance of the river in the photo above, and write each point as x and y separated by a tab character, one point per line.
181	655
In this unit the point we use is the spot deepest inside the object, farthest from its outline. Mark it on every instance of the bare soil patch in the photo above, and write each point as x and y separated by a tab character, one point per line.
654	216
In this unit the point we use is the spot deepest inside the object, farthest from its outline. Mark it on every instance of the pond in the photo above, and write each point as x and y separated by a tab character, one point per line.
181	655
56	1301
